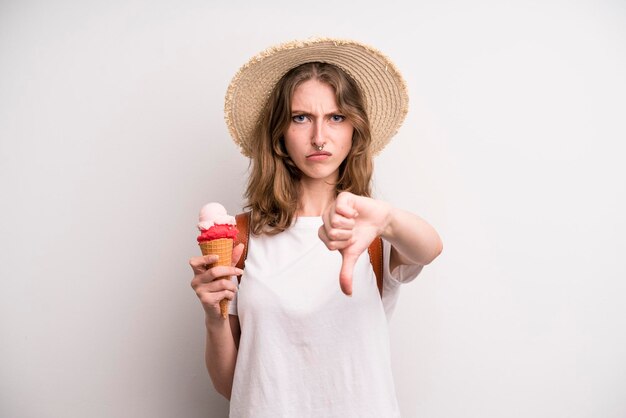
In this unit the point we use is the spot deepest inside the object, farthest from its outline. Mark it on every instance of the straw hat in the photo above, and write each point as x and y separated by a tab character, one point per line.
383	88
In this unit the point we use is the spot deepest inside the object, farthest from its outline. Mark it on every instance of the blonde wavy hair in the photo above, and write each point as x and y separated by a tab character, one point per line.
273	185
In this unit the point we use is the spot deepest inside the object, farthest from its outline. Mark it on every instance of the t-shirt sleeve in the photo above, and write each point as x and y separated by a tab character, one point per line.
232	306
393	279
401	274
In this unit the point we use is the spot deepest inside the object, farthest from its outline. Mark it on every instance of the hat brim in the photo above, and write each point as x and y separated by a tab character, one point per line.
383	88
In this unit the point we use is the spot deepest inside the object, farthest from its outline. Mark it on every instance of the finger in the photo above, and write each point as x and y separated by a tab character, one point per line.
219	285
321	233
219	272
200	264
339	234
345	275
338	221
338	214
334	244
213	286
213	298
225	294
347	211
338	238
345	205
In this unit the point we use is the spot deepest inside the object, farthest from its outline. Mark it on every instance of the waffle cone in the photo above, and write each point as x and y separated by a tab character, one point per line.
223	248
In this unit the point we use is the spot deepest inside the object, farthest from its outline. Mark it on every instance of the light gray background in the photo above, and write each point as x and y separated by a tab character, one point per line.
112	137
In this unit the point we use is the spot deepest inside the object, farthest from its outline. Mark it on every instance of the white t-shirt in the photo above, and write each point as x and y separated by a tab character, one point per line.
306	349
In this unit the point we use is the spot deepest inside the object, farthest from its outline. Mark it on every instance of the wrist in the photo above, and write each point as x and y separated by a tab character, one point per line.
214	323
387	231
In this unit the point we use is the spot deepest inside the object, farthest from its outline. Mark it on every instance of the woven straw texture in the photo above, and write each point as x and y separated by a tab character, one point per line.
382	86
222	247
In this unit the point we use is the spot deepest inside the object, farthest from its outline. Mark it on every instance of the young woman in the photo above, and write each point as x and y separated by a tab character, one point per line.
307	334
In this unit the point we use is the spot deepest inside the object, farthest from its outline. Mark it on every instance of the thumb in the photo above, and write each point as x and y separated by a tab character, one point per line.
345	275
237	252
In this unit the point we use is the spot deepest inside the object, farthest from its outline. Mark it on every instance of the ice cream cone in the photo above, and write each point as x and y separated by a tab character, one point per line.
222	247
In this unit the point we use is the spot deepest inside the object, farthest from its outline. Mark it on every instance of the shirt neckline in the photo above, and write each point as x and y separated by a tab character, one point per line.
307	222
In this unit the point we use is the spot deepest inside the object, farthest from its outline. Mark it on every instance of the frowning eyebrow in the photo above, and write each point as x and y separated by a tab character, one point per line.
306	112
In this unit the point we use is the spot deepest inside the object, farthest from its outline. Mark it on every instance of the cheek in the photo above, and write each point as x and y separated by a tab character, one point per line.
346	141
290	144
295	137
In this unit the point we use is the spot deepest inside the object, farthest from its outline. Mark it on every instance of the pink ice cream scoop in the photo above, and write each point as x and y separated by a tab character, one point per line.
215	223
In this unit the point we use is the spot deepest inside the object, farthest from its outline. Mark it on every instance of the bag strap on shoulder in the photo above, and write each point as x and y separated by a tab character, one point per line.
375	249
243	225
375	252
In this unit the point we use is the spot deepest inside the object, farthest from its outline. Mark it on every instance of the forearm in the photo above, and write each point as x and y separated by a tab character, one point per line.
414	240
220	355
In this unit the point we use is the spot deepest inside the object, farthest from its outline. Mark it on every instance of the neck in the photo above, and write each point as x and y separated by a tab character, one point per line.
315	197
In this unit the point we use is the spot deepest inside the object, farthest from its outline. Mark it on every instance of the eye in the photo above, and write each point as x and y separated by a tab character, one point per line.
299	118
337	118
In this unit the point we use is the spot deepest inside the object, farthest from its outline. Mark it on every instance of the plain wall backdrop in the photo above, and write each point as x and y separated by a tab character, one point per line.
112	137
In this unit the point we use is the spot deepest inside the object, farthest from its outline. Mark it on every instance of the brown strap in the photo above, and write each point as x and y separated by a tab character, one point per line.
375	249
243	225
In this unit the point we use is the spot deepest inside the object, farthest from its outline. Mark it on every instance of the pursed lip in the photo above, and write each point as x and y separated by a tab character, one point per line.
319	154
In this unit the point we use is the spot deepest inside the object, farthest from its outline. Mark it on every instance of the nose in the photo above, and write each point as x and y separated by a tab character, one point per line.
318	138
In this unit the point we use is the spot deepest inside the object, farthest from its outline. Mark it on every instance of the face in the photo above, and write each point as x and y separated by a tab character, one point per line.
315	122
